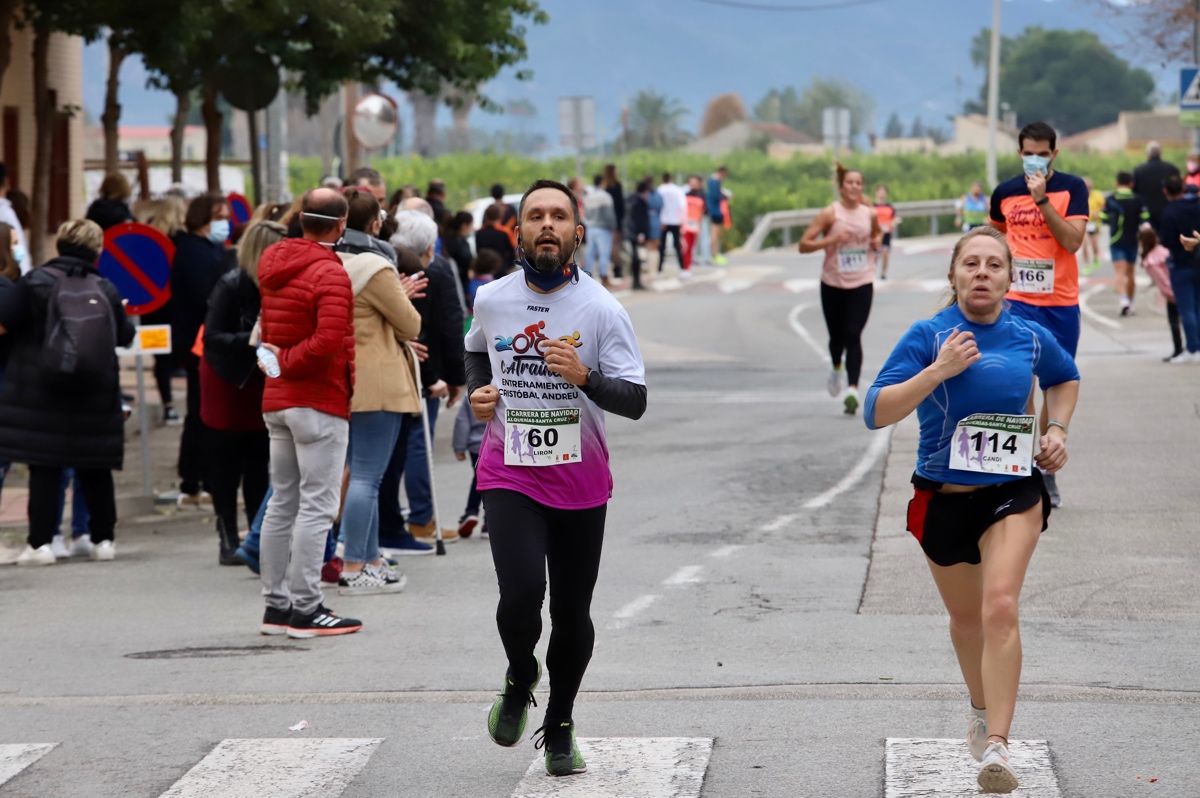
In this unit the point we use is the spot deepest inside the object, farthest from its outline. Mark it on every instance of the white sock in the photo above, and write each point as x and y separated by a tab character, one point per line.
979	713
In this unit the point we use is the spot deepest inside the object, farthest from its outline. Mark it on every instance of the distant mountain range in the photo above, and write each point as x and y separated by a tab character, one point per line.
910	55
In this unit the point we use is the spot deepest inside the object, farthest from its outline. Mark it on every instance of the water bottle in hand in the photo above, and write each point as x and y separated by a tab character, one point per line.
269	362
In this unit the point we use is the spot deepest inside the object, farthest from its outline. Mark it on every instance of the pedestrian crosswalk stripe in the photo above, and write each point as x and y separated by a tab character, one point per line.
276	768
921	767
16	757
619	767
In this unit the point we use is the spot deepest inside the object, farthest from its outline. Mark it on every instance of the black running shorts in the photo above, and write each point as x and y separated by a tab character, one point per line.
949	525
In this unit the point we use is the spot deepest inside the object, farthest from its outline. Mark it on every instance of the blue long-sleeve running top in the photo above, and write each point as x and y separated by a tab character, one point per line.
1013	351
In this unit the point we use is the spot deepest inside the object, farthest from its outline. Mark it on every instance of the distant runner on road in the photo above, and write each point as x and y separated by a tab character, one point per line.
849	234
979	505
888	222
971	210
1043	214
549	352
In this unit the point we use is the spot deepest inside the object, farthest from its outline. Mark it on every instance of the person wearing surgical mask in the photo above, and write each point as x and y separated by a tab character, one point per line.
199	262
1192	178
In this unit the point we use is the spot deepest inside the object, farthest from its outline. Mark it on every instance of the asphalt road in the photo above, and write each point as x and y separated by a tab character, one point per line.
758	591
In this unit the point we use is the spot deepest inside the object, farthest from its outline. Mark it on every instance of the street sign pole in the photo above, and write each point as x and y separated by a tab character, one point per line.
143	421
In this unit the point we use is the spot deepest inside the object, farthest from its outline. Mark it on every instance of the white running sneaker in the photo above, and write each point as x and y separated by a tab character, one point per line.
995	774
104	551
83	546
1185	358
370	582
59	547
834	383
42	555
977	736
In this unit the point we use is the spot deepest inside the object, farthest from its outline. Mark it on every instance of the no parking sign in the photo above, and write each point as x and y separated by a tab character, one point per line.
137	260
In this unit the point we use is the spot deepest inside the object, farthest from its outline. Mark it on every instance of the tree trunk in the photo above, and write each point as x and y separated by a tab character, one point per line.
112	109
424	121
183	106
461	110
212	143
256	177
43	115
8	11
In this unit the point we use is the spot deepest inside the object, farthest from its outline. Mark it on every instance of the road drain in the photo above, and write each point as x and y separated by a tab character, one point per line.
212	652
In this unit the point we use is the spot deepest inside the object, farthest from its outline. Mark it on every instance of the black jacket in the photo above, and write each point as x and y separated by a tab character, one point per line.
1148	184
357	242
198	264
639	216
10	307
498	241
233	308
618	197
458	250
441	328
40	423
1180	217
109	213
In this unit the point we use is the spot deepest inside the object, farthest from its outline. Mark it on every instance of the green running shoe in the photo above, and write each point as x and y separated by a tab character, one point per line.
562	752
510	710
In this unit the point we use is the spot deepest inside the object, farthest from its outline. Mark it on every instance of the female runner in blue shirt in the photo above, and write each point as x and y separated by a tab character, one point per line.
979	506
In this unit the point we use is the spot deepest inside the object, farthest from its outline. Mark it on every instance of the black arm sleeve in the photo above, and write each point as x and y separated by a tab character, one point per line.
622	397
479	371
449	319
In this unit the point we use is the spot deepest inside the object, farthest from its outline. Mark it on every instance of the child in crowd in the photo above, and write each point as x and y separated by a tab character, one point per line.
1154	261
484	269
468	435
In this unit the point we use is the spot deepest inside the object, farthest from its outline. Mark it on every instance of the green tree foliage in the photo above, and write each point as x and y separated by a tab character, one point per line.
803	110
894	128
655	121
1067	78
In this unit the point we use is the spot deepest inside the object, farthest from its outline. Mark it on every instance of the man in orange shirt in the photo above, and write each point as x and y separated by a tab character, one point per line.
1044	215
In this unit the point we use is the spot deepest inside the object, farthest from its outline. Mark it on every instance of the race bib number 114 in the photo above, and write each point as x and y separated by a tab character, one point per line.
993	443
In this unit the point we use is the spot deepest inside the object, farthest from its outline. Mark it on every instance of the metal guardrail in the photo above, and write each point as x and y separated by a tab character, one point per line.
789	220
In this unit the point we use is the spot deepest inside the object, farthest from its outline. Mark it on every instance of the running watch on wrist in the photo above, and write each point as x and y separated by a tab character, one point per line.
1042	201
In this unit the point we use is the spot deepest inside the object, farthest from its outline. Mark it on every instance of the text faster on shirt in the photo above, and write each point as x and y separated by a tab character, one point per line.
511	321
1012	351
1029	237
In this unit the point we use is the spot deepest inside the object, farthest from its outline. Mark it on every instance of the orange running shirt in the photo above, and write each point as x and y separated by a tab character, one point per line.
1047	273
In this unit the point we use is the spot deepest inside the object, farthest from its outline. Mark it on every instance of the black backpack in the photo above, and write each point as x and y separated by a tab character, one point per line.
81	331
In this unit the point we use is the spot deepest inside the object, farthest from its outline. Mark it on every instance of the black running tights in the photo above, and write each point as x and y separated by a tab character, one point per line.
846	311
527	538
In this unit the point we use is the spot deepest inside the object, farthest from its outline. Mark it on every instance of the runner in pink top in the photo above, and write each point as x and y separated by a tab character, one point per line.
849	234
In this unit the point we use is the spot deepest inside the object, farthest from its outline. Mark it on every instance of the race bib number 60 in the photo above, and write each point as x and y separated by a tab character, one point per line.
542	437
993	443
1031	276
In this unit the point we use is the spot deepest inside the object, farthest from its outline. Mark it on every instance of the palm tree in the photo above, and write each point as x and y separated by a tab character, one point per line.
654	121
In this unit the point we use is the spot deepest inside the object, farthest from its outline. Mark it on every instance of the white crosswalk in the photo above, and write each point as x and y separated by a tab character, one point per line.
16	757
922	767
619	767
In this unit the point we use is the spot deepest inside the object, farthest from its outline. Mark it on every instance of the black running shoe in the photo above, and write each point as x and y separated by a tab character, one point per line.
563	757
321	622
275	622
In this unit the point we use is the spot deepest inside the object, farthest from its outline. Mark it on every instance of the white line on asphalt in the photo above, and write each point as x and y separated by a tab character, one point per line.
618	767
1093	315
921	767
635	607
726	551
879	444
687	575
799	285
276	768
798	328
16	757
779	523
734	285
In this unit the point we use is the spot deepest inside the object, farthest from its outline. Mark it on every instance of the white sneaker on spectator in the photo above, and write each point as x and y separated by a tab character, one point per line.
59	547
42	555
104	551
83	546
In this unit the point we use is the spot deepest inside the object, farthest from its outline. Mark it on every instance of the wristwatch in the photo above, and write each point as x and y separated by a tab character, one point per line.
1042	201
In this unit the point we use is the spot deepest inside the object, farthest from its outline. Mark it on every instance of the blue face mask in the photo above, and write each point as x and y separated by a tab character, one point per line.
547	281
18	252
1035	164
218	232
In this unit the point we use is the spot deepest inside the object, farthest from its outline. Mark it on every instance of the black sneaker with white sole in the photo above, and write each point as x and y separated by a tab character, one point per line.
321	622
275	622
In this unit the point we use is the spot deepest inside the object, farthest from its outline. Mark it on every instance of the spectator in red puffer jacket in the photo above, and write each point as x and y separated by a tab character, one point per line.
307	322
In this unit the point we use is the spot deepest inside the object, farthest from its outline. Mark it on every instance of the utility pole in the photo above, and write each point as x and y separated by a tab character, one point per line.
994	93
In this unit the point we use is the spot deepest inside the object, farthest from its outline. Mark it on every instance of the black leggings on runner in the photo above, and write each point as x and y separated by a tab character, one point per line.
846	311
526	538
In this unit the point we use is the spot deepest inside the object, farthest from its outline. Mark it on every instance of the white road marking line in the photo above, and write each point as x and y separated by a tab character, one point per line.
799	285
879	445
17	756
726	551
1086	309
921	767
687	575
666	284
779	523
276	768
734	285
633	609
619	767
798	328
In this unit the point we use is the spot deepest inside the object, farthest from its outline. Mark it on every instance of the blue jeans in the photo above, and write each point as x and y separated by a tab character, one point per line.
372	441
1186	285
416	467
391	518
79	510
599	250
